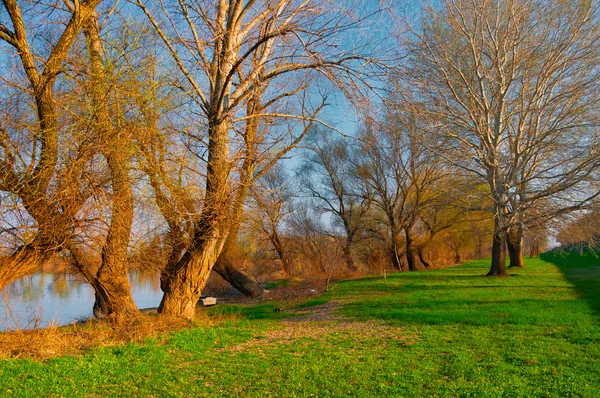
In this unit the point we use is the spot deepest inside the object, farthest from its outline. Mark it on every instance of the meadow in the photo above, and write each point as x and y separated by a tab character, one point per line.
450	332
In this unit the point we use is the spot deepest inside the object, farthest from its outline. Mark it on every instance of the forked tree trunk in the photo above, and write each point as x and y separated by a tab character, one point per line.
31	186
347	252
514	243
189	276
182	282
225	266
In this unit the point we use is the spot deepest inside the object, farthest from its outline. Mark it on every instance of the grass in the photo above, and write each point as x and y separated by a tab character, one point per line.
441	333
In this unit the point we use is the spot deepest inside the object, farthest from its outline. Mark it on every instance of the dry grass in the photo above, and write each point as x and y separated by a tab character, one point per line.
76	339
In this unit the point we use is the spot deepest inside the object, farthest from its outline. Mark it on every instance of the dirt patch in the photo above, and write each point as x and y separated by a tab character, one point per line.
318	313
322	323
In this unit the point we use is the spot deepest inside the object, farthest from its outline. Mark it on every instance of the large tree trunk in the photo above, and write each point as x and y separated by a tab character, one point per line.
514	243
224	265
31	187
186	280
411	259
112	283
182	282
498	266
347	249
100	308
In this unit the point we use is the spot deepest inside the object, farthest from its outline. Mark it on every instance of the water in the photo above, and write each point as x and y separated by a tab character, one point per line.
44	299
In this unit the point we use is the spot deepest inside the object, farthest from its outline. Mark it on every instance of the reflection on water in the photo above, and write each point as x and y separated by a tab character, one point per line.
42	299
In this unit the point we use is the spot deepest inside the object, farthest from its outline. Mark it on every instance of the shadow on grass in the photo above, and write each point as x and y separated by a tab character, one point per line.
582	270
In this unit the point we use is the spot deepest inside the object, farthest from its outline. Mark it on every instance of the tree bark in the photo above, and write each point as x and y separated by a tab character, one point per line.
183	281
498	266
224	265
112	283
394	250
514	243
396	263
232	274
188	277
411	257
535	248
100	308
237	278
347	252
278	245
457	258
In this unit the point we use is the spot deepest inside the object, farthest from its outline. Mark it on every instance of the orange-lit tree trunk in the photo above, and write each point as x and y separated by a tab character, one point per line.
112	283
182	282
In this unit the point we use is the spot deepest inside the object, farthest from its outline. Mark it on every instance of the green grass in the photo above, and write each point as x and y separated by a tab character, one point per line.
441	333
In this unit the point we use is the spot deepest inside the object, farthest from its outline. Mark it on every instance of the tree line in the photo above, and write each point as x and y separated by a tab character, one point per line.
178	119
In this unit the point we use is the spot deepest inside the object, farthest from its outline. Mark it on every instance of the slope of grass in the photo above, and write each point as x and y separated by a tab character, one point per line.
441	333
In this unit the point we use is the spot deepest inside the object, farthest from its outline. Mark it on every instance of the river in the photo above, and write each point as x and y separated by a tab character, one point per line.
44	299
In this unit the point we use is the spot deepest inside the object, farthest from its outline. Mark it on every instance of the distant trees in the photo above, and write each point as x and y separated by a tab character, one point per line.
273	197
509	90
403	180
329	176
581	229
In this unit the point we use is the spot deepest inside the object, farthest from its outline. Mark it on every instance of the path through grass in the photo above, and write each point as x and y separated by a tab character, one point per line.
440	333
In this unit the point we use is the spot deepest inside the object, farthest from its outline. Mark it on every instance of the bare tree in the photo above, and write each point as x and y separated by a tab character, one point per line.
226	50
328	176
110	282
510	90
28	171
273	199
580	230
403	177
